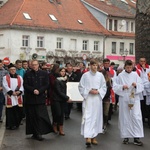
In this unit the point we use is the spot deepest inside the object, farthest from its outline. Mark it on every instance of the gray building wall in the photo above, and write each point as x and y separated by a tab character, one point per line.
101	17
123	6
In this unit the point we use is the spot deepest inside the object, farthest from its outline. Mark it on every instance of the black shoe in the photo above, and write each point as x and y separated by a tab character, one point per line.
33	136
126	141
67	117
39	138
88	142
137	142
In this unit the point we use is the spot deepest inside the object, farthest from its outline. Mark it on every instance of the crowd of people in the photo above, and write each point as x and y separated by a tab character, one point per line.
27	87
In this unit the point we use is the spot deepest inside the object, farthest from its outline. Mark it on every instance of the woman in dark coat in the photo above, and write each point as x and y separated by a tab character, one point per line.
59	100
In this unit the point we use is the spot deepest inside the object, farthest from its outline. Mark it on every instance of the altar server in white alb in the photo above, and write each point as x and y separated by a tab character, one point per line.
128	86
92	87
13	89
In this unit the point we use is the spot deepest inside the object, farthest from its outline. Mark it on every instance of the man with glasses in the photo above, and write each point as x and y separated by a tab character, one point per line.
36	83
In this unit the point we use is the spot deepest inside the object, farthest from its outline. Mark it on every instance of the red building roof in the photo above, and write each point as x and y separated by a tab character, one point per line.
122	34
67	13
132	4
109	9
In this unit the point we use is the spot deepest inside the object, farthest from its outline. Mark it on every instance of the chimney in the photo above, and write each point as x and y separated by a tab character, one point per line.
2	2
58	1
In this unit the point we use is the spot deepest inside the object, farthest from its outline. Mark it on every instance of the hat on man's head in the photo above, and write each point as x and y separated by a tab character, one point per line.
11	65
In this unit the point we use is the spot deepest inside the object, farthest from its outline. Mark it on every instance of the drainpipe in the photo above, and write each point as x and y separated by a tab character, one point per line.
104	39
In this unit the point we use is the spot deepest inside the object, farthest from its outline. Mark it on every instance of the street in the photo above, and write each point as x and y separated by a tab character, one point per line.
17	140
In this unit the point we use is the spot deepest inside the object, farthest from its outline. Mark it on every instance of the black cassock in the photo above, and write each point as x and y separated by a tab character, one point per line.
37	118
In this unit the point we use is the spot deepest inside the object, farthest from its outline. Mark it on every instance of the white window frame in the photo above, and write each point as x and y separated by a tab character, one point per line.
113	47
110	24
127	26
85	45
115	25
132	26
59	43
40	41
131	48
121	46
96	45
25	40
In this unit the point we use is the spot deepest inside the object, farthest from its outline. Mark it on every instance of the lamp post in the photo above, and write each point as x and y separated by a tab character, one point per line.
124	53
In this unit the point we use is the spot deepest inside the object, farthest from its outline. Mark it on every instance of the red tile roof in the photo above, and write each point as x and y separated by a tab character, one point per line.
122	34
131	3
67	14
110	9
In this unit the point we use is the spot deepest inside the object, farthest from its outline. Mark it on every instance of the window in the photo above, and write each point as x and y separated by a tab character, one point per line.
131	48
80	21
96	45
85	45
59	43
53	17
115	25
127	26
132	27
27	16
40	41
121	47
110	24
113	48
1	40
73	44
25	40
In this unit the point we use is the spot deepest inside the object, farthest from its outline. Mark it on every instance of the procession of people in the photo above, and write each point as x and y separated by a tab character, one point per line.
27	88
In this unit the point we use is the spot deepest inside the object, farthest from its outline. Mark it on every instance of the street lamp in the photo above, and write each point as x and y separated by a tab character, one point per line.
124	53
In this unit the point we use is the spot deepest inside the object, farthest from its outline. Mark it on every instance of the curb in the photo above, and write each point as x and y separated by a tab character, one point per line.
2	131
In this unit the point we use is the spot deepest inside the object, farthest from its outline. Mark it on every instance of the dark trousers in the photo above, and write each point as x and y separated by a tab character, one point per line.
143	109
68	107
2	101
106	106
110	111
58	112
148	114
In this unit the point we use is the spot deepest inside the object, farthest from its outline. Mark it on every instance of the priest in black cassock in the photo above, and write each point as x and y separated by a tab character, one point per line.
37	120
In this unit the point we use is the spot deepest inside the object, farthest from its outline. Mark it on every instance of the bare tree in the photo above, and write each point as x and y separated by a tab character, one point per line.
142	35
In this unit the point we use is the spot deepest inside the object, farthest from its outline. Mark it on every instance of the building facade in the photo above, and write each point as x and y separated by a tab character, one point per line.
44	30
120	44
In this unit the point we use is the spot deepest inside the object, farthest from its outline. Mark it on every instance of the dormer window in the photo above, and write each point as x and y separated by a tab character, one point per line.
53	17
27	16
80	21
124	1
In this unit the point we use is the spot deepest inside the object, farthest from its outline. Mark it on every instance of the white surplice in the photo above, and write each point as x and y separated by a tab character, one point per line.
13	85
130	120
92	119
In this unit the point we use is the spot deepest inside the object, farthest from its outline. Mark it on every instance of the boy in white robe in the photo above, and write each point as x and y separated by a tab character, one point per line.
92	87
128	86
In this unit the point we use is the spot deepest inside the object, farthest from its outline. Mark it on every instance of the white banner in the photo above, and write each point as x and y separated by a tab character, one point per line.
73	92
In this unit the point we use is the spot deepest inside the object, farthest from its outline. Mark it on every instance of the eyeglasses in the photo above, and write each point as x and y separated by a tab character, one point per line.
34	64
